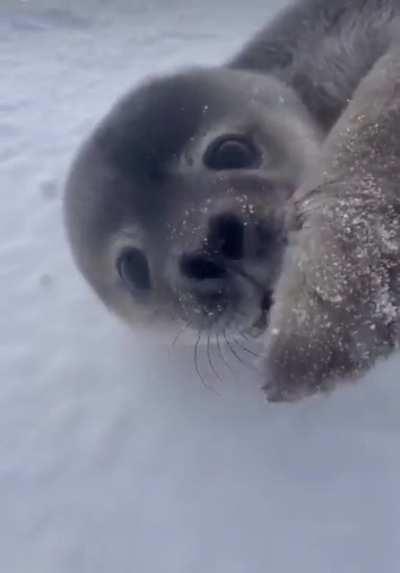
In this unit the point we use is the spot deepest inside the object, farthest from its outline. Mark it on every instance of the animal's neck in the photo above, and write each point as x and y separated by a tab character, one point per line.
322	48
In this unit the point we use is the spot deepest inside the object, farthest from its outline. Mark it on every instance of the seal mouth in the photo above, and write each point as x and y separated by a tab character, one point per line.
267	301
225	294
260	324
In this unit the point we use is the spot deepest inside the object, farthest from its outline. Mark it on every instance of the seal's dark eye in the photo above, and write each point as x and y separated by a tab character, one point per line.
133	269
231	152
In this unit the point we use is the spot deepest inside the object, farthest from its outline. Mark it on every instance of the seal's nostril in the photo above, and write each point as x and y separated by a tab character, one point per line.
201	267
226	235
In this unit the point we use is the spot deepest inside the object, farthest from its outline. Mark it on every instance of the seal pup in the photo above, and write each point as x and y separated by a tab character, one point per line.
176	206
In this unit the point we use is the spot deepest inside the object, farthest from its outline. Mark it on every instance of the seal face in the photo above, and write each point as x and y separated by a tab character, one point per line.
178	206
175	206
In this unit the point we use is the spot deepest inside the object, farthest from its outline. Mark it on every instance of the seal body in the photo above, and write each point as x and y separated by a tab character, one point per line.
338	299
183	202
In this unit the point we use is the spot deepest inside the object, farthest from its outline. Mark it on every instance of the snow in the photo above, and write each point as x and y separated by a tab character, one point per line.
113	455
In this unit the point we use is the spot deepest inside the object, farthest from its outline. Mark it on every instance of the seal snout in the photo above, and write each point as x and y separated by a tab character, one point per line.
205	272
207	278
200	267
226	235
223	243
230	266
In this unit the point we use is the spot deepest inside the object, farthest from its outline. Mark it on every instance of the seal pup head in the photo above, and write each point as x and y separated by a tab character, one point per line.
175	205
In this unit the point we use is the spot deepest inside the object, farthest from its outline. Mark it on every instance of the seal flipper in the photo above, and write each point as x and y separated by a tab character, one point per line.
338	301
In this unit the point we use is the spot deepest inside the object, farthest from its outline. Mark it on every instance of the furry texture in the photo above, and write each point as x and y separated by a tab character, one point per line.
321	71
337	303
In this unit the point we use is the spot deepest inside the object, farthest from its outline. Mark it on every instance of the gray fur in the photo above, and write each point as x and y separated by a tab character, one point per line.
140	181
322	49
337	305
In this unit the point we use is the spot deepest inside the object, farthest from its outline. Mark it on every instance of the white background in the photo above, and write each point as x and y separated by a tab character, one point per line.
114	458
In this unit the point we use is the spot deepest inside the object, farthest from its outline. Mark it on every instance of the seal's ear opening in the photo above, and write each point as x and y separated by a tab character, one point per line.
133	268
232	152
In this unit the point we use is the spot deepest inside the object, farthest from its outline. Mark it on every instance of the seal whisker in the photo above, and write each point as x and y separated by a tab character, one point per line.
180	332
246	363
245	349
196	357
210	360
233	351
196	354
241	336
221	354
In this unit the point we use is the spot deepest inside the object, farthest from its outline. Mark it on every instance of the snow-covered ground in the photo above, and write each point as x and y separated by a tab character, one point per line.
113	456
